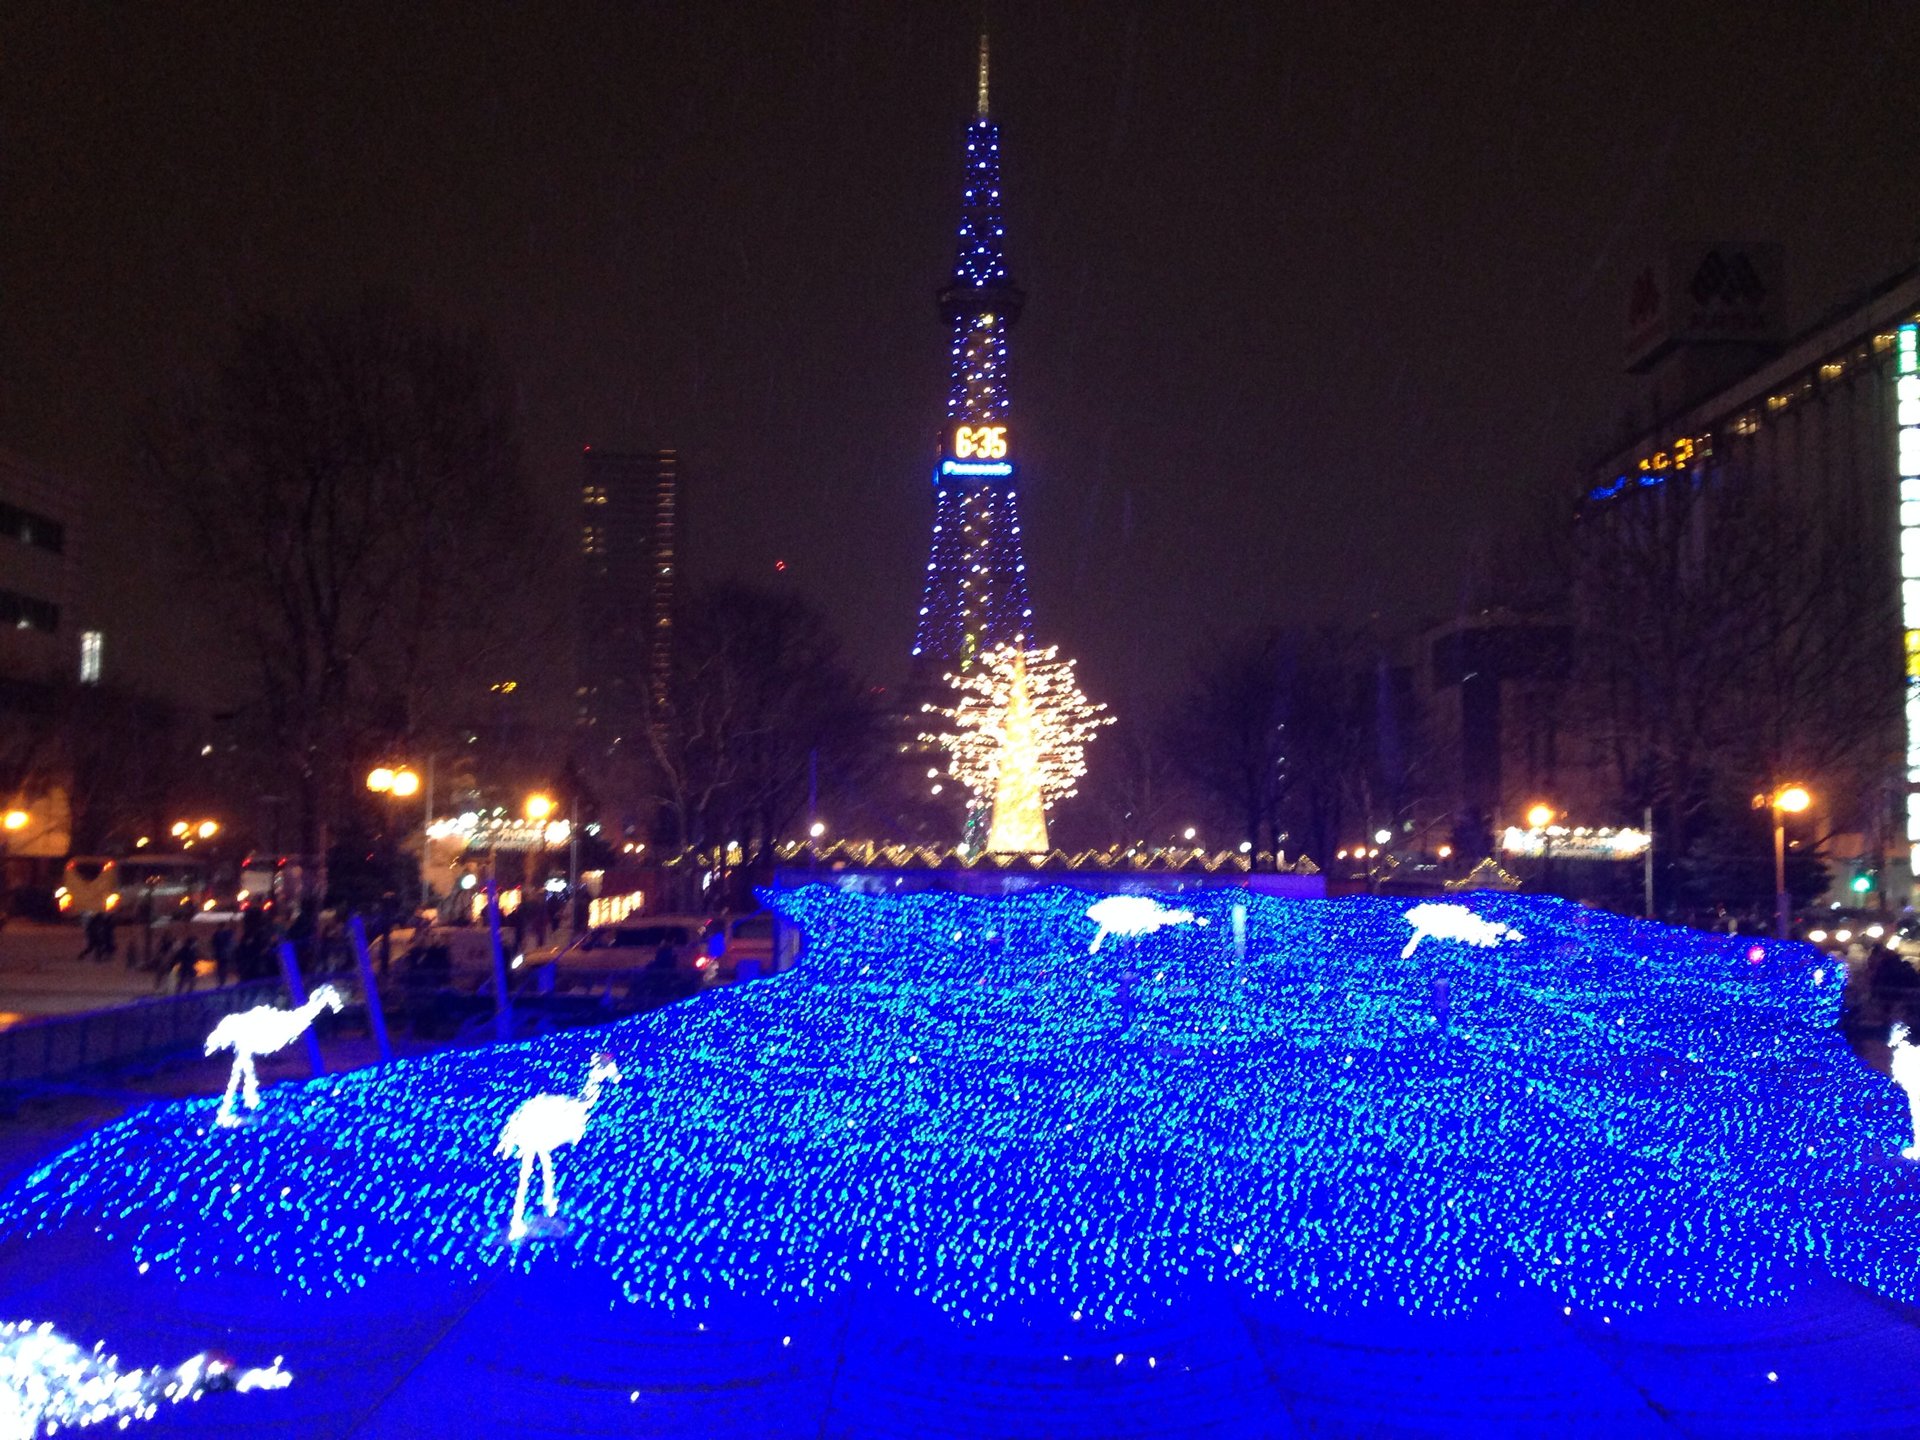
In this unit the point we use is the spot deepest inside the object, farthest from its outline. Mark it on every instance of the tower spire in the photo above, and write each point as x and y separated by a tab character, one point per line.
980	106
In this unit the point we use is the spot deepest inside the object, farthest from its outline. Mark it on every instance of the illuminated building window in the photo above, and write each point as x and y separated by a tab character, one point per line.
91	643
1907	418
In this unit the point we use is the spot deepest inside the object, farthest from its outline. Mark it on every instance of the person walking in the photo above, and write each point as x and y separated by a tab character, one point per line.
185	959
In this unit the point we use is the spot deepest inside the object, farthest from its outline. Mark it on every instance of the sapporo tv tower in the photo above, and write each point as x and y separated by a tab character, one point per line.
976	590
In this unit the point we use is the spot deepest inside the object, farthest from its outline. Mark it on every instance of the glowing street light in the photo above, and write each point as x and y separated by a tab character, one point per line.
817	829
402	782
15	819
539	807
1540	815
207	829
1382	836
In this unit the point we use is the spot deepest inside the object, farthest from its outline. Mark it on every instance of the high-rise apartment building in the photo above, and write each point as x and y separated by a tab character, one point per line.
631	526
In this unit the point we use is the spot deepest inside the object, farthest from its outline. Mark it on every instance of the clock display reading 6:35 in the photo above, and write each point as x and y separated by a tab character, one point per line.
980	442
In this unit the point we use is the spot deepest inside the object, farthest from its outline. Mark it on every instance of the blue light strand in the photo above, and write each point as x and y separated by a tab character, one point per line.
951	1098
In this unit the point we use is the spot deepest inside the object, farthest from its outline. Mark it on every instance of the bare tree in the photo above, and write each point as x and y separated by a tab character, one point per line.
351	485
1226	733
1732	635
760	699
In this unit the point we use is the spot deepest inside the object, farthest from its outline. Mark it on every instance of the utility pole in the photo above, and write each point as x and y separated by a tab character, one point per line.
1647	866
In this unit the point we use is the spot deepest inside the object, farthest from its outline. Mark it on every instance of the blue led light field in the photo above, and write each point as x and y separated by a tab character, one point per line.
952	1100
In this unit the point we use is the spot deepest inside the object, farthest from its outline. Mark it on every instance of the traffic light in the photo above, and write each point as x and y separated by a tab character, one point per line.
1863	882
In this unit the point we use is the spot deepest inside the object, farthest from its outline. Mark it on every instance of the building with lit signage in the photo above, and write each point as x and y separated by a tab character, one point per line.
975	596
632	522
1779	482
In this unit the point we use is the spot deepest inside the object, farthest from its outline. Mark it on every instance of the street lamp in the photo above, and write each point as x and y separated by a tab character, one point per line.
15	819
539	807
402	782
1787	800
1540	816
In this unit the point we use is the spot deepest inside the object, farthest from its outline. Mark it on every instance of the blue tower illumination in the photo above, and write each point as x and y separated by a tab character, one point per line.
976	587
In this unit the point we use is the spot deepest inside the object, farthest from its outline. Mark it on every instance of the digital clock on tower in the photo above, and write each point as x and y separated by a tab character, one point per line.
979	442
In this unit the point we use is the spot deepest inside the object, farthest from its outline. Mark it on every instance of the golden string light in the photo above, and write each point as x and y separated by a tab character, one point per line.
973	730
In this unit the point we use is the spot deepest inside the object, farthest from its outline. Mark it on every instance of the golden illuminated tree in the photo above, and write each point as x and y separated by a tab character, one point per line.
1016	737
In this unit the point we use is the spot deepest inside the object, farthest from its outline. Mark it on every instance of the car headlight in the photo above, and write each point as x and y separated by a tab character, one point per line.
1816	936
1876	931
1843	936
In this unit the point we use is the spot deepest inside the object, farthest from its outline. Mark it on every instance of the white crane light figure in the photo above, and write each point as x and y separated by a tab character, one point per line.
48	1383
1455	922
543	1123
1906	1074
261	1031
1132	915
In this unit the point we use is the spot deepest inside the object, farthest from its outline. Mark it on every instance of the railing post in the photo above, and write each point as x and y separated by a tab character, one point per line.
503	1011
297	993
376	1017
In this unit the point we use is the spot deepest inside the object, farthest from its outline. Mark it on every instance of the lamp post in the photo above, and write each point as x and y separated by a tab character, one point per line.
1786	800
1540	816
403	783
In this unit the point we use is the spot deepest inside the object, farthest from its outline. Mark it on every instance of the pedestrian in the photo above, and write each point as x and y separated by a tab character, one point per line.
108	941
90	932
222	955
184	960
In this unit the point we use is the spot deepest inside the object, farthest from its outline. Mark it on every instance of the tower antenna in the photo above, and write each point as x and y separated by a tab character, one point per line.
980	106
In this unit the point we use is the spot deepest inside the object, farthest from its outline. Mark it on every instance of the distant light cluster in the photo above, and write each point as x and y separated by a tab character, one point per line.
951	1098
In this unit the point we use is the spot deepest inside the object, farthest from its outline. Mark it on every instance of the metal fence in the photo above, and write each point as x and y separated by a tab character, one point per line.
51	1046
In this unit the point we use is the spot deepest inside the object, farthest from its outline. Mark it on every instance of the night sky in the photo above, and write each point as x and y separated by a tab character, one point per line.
1323	307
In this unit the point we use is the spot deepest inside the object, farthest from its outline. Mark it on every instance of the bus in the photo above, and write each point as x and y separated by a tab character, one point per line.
172	885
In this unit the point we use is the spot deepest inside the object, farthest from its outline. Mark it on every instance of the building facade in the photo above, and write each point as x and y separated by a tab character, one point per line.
42	651
1767	525
632	526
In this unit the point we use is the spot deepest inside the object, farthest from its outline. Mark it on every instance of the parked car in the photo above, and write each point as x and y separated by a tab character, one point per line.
743	945
657	944
698	950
